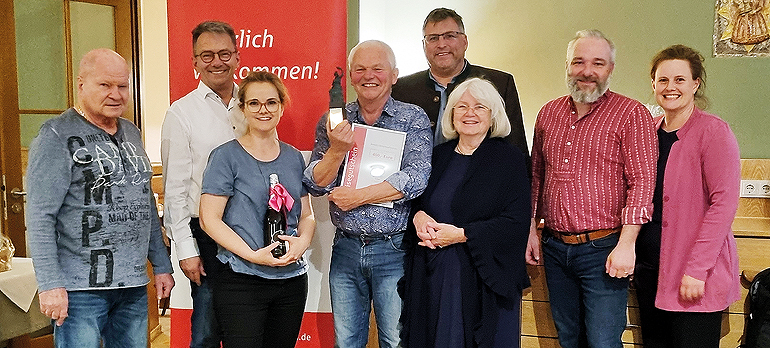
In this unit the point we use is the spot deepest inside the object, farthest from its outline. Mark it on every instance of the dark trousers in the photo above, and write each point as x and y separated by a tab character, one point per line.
256	312
204	330
664	329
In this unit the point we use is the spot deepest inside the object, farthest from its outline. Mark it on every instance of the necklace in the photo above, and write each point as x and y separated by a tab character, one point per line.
109	125
81	112
85	115
457	149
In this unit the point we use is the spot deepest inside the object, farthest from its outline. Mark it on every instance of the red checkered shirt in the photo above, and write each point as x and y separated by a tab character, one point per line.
596	171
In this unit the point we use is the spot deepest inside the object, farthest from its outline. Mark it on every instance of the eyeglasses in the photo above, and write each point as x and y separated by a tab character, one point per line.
448	36
462	109
208	56
255	106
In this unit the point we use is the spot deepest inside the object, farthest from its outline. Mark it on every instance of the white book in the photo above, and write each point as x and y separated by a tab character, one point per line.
375	156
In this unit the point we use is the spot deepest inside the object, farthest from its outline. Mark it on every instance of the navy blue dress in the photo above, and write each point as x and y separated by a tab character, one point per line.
467	295
445	320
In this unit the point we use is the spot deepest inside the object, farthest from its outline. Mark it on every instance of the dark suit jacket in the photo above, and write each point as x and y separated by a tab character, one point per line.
492	204
419	89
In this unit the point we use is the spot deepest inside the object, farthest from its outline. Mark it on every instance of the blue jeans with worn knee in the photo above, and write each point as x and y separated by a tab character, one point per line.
365	271
588	306
114	317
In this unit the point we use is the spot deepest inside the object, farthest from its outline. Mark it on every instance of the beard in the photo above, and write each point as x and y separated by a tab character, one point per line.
583	96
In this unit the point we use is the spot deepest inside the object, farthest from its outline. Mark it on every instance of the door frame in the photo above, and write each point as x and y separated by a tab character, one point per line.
11	224
126	21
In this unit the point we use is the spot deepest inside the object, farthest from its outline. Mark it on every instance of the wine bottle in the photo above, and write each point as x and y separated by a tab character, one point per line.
275	222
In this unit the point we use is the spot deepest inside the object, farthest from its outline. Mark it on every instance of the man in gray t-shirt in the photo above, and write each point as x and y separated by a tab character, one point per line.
91	217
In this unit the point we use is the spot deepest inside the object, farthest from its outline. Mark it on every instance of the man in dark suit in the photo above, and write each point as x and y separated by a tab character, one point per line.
445	42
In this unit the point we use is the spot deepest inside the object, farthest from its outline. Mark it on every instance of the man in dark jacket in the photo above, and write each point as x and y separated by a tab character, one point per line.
445	42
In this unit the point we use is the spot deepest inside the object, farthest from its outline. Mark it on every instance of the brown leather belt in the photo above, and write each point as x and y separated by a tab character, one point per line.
583	237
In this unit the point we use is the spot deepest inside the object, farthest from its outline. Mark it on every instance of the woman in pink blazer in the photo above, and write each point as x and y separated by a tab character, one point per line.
687	263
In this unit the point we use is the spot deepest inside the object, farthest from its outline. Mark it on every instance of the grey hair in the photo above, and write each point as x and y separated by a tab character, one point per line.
486	93
589	33
373	43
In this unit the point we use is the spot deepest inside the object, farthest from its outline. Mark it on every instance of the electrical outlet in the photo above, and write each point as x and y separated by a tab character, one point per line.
755	188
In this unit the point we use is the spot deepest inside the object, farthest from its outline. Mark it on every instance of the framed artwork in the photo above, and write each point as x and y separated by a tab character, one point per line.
742	28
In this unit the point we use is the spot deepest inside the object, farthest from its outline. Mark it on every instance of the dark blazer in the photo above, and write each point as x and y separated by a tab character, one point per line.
419	89
492	204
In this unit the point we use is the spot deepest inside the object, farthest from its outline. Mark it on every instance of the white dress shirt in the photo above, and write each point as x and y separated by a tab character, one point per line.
194	125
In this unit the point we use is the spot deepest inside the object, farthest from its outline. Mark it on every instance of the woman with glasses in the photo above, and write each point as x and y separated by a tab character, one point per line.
259	298
465	267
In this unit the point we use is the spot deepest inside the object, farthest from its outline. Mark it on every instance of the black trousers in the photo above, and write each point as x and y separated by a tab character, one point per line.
256	312
664	329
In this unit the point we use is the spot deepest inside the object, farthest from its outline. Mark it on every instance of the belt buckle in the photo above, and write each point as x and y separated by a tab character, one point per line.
582	238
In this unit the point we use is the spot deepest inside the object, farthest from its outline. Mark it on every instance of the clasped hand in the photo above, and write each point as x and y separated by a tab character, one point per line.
433	234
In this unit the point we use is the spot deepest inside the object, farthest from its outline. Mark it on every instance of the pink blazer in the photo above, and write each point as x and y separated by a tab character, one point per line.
700	196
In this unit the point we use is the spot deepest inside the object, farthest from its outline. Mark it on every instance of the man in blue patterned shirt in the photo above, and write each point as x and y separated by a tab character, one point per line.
367	256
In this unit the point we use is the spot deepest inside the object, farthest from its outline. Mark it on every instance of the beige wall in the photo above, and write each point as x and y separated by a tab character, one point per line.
528	39
154	72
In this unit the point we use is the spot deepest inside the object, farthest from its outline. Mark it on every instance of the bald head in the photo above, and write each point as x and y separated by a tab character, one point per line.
103	85
101	58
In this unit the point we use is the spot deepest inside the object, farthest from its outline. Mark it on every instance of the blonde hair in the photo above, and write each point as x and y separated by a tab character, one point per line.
486	93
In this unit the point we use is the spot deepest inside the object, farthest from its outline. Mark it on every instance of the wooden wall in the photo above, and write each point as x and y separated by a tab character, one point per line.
752	233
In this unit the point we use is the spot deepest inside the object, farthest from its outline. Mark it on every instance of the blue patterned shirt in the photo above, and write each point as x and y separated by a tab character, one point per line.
410	180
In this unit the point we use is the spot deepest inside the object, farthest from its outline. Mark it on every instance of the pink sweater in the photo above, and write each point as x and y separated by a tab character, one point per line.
700	196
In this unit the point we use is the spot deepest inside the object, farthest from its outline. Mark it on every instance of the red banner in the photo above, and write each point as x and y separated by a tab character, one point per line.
317	330
303	42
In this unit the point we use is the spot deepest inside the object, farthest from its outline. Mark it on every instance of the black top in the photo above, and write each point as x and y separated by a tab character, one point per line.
648	241
492	204
439	204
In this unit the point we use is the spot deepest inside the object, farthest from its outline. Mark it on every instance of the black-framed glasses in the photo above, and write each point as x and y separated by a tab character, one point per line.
479	109
208	56
448	36
255	106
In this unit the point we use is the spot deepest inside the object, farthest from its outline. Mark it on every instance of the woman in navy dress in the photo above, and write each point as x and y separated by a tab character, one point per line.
465	267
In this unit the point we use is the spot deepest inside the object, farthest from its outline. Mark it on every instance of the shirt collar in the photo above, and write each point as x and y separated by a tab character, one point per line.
353	108
454	79
602	99
207	92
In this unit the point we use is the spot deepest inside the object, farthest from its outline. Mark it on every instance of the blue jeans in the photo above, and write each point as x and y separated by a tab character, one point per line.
115	317
203	323
364	272
588	306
